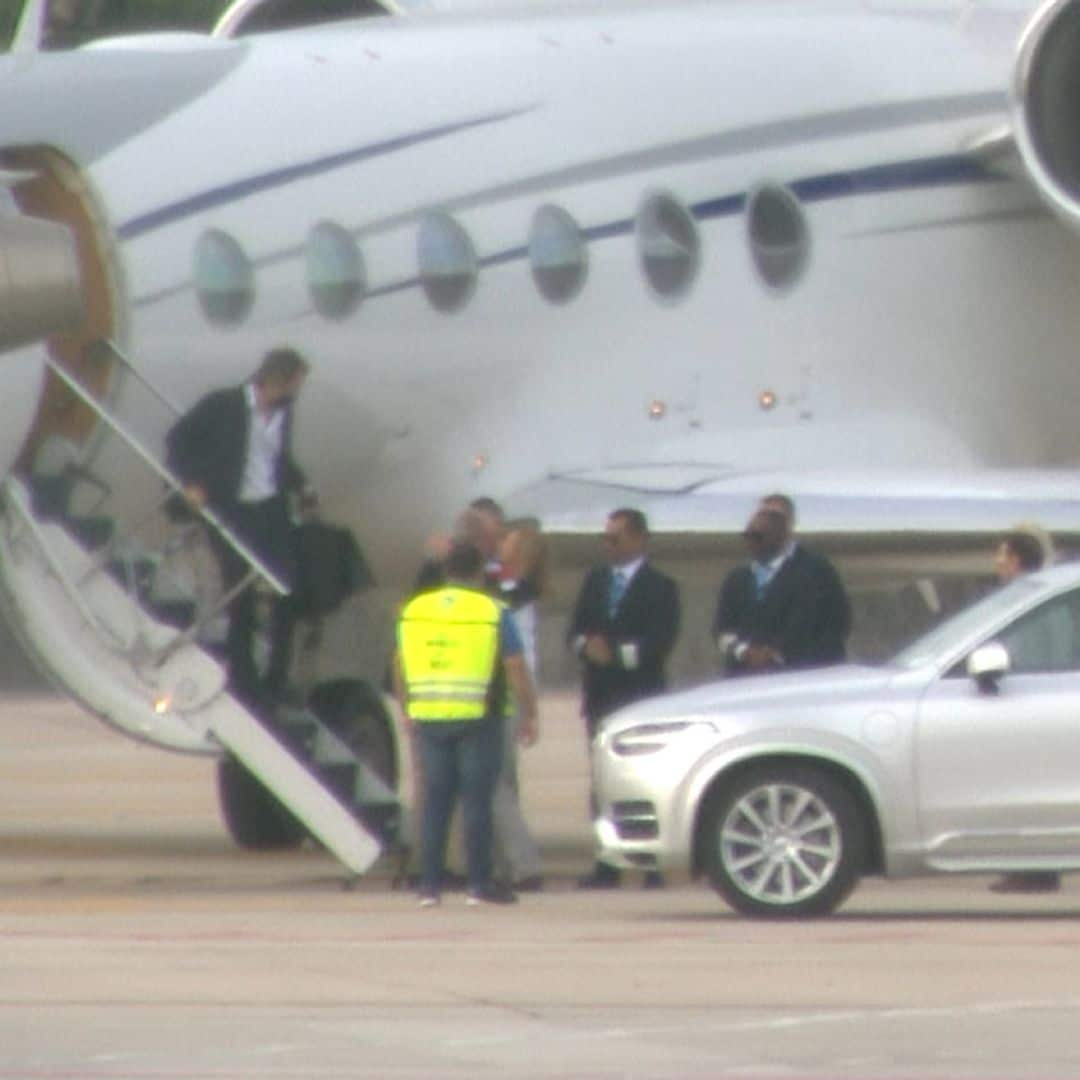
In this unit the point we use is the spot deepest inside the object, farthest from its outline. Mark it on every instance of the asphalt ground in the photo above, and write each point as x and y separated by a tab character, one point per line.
137	943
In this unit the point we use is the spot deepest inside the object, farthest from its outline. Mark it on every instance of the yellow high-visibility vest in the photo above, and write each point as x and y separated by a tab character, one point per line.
448	643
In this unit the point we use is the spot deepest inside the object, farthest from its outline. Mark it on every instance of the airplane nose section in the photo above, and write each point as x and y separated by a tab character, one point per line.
39	281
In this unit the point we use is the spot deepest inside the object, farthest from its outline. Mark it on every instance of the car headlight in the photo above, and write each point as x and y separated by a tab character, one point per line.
649	738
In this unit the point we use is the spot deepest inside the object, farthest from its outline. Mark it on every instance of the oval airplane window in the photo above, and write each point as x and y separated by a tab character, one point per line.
778	236
337	278
557	255
224	278
447	262
668	246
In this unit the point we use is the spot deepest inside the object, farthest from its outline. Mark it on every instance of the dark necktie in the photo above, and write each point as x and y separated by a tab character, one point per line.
616	588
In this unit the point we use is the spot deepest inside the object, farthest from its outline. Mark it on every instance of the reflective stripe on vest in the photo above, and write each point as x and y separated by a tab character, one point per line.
448	642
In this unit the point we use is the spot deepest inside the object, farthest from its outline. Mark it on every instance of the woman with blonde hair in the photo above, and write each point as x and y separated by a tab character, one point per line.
523	577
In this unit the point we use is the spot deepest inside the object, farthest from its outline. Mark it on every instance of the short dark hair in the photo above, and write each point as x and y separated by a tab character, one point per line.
786	501
634	520
487	505
1027	549
280	365
464	561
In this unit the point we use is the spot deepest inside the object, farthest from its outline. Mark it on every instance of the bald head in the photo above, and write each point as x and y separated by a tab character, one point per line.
766	534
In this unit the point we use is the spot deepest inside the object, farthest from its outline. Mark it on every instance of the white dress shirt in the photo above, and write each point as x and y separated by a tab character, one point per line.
264	445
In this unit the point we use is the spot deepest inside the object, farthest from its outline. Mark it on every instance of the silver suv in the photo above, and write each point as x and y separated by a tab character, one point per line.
961	754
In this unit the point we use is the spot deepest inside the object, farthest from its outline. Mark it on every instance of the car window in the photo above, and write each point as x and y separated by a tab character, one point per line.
1046	639
962	626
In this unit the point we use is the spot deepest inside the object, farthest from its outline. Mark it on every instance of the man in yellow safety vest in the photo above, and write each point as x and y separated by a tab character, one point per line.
458	655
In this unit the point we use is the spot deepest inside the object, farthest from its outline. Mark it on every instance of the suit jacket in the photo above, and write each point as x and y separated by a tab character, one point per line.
208	446
804	612
647	617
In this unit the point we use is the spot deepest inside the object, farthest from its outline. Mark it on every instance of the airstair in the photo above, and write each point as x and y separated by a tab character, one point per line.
84	594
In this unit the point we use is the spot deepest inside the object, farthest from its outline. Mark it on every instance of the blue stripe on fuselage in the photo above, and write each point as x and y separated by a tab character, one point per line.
241	189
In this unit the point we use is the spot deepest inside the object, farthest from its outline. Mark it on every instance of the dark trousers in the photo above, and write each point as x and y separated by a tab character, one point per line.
268	530
457	758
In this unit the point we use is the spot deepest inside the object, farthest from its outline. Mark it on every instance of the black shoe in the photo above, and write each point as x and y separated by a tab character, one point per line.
602	877
452	881
653	880
490	894
532	883
1034	881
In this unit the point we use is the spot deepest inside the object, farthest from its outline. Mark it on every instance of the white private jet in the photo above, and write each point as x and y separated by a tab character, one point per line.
618	252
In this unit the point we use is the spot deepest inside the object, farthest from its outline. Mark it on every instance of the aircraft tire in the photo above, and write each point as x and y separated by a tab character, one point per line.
354	710
255	819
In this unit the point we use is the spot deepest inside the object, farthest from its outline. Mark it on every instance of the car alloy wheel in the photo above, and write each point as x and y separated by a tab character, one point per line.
785	841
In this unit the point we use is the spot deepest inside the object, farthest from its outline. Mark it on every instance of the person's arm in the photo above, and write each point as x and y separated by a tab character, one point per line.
400	695
293	478
738	652
650	647
519	680
193	446
581	628
799	633
521	683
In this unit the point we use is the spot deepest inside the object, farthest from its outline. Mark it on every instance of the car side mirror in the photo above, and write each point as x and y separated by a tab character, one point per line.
987	664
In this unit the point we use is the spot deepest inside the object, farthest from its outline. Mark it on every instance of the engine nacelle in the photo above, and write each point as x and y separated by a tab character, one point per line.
1046	105
39	280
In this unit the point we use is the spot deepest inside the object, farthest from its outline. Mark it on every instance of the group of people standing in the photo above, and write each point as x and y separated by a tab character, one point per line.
464	675
460	676
466	657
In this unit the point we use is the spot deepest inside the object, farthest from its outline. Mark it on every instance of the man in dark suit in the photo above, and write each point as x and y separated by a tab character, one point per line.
787	607
623	629
233	453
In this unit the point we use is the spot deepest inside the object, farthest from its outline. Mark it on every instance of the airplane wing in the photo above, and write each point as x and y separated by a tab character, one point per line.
913	520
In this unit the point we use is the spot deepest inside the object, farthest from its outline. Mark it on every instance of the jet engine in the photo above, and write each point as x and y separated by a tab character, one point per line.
1046	105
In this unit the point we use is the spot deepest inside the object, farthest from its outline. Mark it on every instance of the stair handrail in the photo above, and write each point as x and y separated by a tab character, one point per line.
254	562
14	497
129	366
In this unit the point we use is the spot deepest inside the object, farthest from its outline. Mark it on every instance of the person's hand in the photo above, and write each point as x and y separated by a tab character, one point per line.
597	650
195	495
759	657
529	730
437	546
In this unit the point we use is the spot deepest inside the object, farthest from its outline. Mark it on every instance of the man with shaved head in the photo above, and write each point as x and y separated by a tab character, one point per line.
786	608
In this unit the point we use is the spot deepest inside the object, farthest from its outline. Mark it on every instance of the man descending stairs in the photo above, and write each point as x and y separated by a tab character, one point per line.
82	606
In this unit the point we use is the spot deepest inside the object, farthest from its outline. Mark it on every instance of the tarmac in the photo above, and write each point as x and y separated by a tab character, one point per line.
137	943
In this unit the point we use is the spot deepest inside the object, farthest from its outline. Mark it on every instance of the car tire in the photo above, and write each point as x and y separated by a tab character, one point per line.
784	840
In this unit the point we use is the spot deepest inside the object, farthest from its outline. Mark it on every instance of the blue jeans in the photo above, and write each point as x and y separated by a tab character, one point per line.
457	758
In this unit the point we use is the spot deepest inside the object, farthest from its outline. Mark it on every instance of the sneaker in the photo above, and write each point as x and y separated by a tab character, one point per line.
490	894
428	900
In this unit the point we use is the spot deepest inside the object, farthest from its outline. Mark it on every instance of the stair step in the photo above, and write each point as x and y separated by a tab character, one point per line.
298	730
100	641
295	783
340	778
353	783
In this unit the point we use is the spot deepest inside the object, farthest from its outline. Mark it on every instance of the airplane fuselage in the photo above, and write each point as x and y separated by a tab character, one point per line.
515	247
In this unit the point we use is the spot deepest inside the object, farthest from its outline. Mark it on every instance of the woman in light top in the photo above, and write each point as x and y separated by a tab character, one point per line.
523	576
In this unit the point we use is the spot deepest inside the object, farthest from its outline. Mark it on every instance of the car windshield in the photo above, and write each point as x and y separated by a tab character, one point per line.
953	632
